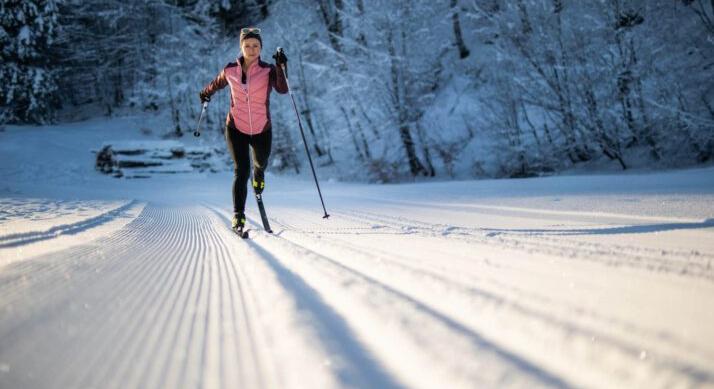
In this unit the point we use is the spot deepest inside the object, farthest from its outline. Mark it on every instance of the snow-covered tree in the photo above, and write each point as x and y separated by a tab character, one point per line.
575	82
28	85
390	90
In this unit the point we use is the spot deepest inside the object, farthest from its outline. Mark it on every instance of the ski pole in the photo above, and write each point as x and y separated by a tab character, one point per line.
200	117
304	141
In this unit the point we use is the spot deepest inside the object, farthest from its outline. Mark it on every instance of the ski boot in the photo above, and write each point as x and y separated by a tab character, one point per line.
258	185
238	225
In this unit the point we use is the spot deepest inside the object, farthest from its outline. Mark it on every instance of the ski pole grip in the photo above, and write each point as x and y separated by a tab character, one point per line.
281	51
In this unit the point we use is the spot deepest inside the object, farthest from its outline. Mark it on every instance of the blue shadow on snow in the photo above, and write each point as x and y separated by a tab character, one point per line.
636	229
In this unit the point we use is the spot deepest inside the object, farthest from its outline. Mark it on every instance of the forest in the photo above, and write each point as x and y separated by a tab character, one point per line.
389	91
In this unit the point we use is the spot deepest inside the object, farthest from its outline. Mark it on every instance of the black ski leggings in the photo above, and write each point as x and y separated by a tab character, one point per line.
238	143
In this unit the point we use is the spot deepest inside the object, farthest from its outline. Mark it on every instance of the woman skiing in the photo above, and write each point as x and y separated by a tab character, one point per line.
248	121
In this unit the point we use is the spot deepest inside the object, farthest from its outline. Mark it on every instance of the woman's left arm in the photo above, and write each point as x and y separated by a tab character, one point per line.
277	79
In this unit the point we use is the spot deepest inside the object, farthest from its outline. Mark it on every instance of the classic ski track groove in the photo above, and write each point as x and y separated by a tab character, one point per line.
264	366
376	254
445	230
467	292
52	310
521	210
35	268
685	371
153	292
44	269
412	308
685	264
394	225
142	314
462	336
695	264
357	368
14	240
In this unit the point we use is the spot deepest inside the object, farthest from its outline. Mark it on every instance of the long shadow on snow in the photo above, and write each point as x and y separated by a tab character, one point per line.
637	229
360	370
355	353
519	362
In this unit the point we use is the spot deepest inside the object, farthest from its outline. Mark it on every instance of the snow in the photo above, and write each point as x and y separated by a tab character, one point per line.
586	280
24	35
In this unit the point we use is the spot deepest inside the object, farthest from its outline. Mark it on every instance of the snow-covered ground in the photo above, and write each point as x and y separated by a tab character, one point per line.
572	281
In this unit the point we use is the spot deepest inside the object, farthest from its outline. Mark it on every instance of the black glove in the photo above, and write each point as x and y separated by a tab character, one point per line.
204	97
280	58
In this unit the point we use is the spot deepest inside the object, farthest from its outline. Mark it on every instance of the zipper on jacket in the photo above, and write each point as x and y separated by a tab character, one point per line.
247	87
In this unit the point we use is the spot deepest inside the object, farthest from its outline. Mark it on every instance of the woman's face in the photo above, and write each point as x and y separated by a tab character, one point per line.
251	48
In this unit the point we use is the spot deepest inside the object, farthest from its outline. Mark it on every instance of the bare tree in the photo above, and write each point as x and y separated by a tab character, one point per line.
458	35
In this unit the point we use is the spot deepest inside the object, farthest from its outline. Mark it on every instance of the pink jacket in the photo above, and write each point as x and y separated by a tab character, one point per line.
250	102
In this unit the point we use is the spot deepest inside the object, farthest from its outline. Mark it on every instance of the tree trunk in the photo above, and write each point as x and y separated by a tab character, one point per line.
331	14
647	128
430	171
582	153
415	166
463	50
306	111
353	135
530	123
361	39
367	153
610	145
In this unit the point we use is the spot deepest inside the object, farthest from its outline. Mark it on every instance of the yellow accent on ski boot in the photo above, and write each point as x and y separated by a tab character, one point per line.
258	186
238	221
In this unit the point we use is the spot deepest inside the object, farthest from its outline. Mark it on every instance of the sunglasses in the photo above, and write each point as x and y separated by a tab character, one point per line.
249	30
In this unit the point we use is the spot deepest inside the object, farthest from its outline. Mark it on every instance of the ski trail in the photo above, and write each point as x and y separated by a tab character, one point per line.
444	345
459	279
520	211
58	271
174	299
156	306
454	352
238	295
19	247
469	291
685	264
353	365
14	240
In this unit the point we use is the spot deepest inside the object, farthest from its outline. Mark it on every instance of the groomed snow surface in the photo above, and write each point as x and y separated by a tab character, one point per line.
573	281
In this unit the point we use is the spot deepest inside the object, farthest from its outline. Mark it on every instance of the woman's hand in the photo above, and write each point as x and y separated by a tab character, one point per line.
280	58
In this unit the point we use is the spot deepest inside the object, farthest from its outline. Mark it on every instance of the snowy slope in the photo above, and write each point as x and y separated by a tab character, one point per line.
585	281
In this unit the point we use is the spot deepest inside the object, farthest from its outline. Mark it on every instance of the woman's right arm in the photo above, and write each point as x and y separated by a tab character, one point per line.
218	83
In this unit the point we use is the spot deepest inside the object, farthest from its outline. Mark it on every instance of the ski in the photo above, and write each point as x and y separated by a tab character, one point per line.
241	233
263	215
